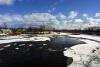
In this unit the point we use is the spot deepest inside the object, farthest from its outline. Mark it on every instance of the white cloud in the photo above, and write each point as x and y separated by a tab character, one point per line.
5	18
78	21
54	22
39	17
51	9
97	15
6	2
27	18
70	21
49	19
64	22
72	14
85	15
93	22
17	17
61	16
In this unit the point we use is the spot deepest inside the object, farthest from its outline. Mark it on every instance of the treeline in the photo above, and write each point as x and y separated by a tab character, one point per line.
29	30
89	30
41	29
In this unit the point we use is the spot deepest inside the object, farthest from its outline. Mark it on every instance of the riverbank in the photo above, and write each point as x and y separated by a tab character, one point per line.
37	51
85	54
30	53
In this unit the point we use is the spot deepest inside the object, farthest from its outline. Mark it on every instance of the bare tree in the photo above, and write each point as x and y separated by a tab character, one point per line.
42	28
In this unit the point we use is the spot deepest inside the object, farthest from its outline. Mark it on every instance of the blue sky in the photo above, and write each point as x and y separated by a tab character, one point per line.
61	14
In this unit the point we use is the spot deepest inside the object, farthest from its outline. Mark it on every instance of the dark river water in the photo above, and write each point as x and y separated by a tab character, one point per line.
36	54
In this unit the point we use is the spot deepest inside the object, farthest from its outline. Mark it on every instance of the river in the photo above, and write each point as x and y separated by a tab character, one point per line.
37	54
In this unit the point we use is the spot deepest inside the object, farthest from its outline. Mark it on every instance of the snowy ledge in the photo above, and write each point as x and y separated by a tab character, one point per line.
83	53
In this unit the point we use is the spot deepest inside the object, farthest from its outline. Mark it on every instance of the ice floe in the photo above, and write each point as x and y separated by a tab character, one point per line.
17	48
30	44
40	38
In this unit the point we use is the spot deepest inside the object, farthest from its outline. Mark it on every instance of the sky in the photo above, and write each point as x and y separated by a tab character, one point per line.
60	14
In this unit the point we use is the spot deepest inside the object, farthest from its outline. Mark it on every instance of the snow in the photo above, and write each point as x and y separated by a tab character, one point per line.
63	34
93	37
18	39
2	34
84	52
40	38
12	40
12	37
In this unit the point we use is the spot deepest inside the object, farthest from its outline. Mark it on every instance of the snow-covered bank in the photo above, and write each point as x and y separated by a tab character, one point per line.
85	54
93	37
11	37
18	39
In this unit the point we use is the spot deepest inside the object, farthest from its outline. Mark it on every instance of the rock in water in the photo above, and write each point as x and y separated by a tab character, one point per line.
69	61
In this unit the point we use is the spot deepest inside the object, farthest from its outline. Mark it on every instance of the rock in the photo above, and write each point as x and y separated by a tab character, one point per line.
69	60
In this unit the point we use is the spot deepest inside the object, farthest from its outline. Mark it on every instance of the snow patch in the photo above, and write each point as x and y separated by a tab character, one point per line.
84	52
18	39
40	39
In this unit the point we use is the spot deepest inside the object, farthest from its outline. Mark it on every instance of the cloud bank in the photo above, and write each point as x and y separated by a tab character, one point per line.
59	21
6	2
